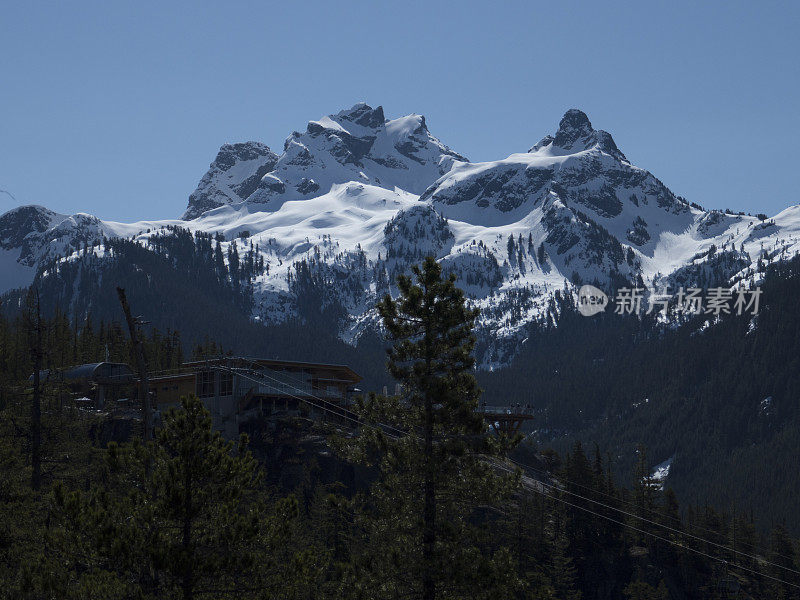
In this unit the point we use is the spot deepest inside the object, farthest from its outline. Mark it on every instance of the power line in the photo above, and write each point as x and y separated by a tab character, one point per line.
677	531
258	377
628	503
310	399
668	541
671	529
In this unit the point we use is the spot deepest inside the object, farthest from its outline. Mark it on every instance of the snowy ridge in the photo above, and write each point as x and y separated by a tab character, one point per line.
360	145
356	199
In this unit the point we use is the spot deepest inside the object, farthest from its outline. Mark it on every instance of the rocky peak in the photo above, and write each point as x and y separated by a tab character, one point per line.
574	126
355	144
361	121
576	134
17	223
230	154
362	114
232	177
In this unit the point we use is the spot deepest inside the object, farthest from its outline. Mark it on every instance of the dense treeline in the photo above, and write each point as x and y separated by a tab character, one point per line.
184	282
107	524
181	278
721	401
66	343
191	515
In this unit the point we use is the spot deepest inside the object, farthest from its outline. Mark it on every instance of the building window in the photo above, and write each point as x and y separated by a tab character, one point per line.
226	384
205	384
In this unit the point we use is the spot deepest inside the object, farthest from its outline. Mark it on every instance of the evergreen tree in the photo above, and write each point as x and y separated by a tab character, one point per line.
580	481
541	255
784	565
641	590
219	262
420	540
644	487
35	326
182	517
563	572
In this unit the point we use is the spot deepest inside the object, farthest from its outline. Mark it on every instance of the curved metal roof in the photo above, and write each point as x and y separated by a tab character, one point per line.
81	371
100	371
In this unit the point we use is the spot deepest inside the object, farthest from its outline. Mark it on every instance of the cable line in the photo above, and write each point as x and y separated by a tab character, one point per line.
259	377
654	512
668	541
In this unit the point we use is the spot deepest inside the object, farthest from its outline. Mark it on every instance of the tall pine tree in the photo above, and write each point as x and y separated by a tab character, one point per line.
435	479
183	516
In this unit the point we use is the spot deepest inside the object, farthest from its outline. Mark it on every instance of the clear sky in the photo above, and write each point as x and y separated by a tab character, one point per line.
116	108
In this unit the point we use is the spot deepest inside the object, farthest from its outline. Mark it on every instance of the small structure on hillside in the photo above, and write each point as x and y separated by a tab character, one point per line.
506	419
99	382
239	392
242	394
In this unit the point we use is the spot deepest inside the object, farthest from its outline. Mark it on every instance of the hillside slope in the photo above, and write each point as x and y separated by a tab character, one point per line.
356	198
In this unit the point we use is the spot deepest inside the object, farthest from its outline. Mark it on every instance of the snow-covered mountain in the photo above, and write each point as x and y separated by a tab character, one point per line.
356	199
358	144
232	177
31	236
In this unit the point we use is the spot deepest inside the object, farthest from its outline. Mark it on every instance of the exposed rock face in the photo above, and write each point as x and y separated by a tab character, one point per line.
19	223
358	144
575	134
232	177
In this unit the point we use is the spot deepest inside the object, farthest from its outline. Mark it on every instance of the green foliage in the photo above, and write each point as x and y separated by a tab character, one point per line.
189	514
31	565
721	399
181	517
640	590
419	537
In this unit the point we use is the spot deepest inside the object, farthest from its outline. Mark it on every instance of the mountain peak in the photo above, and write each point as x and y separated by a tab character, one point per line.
363	114
576	134
22	220
231	154
232	177
574	126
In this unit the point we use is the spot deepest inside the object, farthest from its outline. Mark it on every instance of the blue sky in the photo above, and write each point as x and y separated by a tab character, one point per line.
117	108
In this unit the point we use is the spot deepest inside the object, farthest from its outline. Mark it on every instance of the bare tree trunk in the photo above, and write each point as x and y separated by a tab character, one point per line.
187	582
429	516
36	405
141	366
429	510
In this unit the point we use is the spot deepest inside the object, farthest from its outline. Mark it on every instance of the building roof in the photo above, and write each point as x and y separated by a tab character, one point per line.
91	371
100	371
172	376
347	373
81	371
